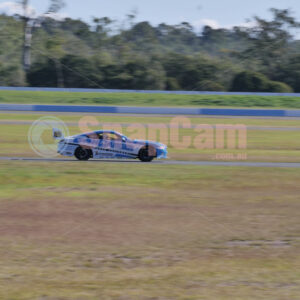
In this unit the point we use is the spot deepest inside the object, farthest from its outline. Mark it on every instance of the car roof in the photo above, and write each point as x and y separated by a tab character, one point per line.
106	131
102	131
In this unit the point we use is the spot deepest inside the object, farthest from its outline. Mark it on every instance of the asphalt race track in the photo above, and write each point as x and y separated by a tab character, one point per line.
162	162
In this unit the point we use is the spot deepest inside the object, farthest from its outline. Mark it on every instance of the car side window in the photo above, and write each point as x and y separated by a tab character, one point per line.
110	136
115	137
100	136
93	136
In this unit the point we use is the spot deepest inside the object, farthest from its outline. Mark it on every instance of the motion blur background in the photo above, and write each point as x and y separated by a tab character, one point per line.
194	45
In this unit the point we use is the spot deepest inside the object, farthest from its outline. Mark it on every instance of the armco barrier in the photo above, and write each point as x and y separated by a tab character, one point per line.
244	112
76	108
152	110
16	107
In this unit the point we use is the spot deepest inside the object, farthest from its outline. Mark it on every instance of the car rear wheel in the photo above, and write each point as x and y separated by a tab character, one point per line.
144	155
83	154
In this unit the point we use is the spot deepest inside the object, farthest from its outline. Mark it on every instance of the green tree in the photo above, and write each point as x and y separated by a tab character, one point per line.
80	72
256	82
290	72
55	51
250	82
279	87
11	75
209	85
189	71
270	40
135	74
42	74
142	56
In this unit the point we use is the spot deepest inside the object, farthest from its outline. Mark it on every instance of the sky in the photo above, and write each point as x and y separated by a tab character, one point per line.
216	13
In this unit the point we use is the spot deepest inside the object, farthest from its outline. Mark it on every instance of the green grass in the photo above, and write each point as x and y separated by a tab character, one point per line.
133	99
139	232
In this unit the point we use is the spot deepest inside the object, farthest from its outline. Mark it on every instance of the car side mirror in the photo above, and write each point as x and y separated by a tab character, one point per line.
124	139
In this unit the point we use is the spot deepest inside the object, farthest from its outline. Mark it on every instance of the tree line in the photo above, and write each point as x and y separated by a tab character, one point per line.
71	53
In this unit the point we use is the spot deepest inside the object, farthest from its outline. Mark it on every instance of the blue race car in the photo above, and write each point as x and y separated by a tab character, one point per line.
109	145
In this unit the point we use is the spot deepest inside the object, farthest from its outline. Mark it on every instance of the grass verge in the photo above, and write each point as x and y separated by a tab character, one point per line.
134	99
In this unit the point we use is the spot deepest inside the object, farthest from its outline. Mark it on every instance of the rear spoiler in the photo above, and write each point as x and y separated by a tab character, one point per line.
57	134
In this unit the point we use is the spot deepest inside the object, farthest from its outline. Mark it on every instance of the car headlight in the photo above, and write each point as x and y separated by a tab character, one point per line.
162	147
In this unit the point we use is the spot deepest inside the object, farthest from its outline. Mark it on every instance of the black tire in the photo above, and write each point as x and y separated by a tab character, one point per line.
83	154
144	155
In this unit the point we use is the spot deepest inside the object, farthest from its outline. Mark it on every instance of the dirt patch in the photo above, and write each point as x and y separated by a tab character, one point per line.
61	219
119	222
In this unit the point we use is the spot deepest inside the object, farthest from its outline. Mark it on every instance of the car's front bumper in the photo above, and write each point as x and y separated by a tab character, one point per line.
161	153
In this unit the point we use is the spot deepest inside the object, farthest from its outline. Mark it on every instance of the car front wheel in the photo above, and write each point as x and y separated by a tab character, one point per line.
144	155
